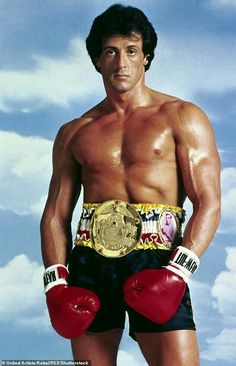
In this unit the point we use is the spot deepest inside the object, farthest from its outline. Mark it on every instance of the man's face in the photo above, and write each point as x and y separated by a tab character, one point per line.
168	219
122	62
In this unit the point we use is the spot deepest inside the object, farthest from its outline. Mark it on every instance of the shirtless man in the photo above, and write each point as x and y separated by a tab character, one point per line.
129	148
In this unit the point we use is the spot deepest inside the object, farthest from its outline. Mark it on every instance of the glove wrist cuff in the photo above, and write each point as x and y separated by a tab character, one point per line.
54	275
184	262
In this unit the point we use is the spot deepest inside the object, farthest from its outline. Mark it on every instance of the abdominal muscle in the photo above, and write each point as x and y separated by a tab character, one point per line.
136	183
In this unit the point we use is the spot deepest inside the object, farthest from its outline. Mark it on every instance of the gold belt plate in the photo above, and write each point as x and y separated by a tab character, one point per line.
116	228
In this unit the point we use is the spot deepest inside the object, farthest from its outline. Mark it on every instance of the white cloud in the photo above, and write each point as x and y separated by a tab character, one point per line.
222	347
183	65
21	292
228	183
228	179
224	288
127	358
188	207
222	4
202	305
186	64
53	81
37	208
24	172
40	322
228	199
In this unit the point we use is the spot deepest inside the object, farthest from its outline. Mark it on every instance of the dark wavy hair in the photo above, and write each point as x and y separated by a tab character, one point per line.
121	20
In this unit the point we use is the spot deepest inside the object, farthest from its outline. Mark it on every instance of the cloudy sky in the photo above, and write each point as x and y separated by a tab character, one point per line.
46	79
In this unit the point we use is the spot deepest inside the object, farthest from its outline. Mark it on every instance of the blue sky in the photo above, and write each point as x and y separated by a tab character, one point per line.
46	79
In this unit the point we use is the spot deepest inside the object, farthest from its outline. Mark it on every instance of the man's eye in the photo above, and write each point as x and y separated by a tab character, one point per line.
110	52
132	52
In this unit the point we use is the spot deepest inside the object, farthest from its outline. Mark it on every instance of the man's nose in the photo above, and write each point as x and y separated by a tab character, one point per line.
121	60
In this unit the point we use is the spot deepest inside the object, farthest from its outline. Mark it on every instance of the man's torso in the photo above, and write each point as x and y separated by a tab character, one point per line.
131	156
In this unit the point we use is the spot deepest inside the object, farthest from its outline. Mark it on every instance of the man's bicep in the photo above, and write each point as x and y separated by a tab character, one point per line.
199	158
64	190
65	182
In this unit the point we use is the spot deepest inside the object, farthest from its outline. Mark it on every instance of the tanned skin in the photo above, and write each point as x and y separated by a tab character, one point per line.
140	146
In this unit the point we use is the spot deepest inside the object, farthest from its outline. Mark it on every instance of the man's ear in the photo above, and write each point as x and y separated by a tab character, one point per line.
97	62
145	60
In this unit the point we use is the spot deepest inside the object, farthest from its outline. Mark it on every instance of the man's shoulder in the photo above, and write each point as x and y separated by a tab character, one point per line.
189	113
68	129
182	115
181	110
175	104
185	118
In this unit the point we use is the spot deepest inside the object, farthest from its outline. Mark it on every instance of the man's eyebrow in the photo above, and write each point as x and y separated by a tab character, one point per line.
116	48
105	48
133	46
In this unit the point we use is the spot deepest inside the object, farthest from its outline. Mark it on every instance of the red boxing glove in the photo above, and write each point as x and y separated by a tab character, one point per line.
71	309
157	293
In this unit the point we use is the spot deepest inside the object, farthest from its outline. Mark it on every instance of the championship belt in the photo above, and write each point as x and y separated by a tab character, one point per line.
115	229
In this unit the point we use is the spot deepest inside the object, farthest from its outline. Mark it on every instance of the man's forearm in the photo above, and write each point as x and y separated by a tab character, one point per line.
56	241
201	227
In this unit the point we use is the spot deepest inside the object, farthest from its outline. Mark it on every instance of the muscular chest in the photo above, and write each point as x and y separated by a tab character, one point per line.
124	142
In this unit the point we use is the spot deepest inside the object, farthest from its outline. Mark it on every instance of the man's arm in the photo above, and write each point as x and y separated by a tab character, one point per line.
71	309
163	289
200	166
63	194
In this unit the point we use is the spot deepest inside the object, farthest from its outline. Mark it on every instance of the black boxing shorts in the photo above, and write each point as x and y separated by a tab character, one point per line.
106	277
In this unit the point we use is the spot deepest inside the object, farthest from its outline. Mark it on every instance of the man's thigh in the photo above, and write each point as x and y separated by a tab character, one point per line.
173	348
100	348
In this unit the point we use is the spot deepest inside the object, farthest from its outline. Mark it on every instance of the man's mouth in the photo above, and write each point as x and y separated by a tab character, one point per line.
121	76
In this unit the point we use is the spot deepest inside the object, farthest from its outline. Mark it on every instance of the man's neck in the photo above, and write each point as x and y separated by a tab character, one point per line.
128	101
